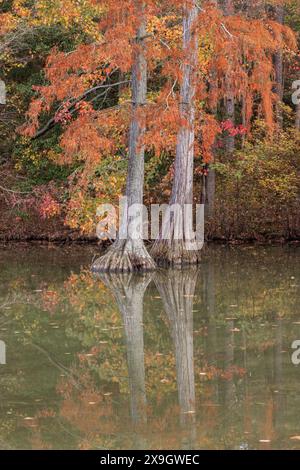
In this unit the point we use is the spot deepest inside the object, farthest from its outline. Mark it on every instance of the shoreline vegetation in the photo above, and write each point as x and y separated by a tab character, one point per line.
67	236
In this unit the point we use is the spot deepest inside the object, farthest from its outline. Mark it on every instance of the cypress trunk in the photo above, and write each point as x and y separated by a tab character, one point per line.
168	250
129	253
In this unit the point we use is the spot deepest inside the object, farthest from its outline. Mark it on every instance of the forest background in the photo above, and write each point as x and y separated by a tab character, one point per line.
64	121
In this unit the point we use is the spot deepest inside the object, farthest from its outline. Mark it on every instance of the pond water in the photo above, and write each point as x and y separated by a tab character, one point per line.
192	359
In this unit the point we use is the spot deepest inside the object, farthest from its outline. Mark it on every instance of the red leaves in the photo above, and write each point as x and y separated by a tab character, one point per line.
228	126
210	129
48	207
63	115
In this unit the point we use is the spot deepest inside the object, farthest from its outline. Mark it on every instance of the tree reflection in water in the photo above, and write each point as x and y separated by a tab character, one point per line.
197	358
129	290
177	290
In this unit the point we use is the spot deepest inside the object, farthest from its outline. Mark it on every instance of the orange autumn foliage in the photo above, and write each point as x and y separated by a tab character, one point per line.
236	46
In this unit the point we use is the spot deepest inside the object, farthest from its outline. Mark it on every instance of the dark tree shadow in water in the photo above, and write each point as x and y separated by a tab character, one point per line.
177	289
129	290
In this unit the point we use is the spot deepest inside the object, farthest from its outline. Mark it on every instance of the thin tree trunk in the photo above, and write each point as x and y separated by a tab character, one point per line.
297	121
2	92
167	249
210	192
229	95
209	180
278	59
128	253
244	117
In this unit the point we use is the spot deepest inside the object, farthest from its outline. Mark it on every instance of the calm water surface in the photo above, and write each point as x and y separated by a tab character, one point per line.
192	359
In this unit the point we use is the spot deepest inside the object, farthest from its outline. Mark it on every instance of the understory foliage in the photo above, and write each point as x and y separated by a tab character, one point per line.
258	193
67	66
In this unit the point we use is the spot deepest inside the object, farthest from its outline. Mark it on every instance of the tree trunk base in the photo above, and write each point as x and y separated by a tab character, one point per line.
174	253
125	256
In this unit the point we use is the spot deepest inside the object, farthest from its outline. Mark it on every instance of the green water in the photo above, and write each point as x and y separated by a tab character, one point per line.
193	359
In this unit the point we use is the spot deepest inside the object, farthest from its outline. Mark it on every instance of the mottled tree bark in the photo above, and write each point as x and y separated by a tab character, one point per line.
168	250
128	253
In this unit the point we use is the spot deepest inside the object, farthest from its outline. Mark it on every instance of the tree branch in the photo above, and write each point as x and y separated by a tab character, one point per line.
51	123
